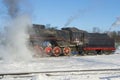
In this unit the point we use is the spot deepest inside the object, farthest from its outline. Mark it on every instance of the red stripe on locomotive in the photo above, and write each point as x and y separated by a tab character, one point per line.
99	48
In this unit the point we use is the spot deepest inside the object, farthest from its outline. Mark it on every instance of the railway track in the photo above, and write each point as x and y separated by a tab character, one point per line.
80	72
92	72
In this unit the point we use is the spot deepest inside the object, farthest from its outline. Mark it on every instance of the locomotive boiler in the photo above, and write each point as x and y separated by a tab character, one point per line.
69	40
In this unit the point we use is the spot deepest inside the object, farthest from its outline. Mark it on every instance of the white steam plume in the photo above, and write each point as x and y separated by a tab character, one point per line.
16	40
14	45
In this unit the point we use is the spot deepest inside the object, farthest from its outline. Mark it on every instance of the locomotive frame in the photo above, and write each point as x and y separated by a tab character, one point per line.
69	40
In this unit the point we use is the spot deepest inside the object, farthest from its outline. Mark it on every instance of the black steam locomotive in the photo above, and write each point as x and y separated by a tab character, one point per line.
69	40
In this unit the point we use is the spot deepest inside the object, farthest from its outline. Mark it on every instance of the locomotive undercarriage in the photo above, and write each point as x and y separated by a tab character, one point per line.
95	52
84	50
70	51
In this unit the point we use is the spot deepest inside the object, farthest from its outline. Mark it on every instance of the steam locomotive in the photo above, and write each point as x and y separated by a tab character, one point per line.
69	40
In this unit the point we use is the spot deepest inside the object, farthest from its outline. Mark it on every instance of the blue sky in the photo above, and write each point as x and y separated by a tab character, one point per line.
87	13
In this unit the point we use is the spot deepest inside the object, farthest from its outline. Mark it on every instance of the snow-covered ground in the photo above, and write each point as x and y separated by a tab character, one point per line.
14	45
39	67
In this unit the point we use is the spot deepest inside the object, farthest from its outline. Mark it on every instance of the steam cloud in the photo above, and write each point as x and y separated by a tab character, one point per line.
116	23
72	18
14	46
12	6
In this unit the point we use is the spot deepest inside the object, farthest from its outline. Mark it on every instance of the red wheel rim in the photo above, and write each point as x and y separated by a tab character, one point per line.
56	51
48	50
66	51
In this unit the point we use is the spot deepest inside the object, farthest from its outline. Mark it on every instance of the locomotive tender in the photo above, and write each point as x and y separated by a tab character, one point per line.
69	40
